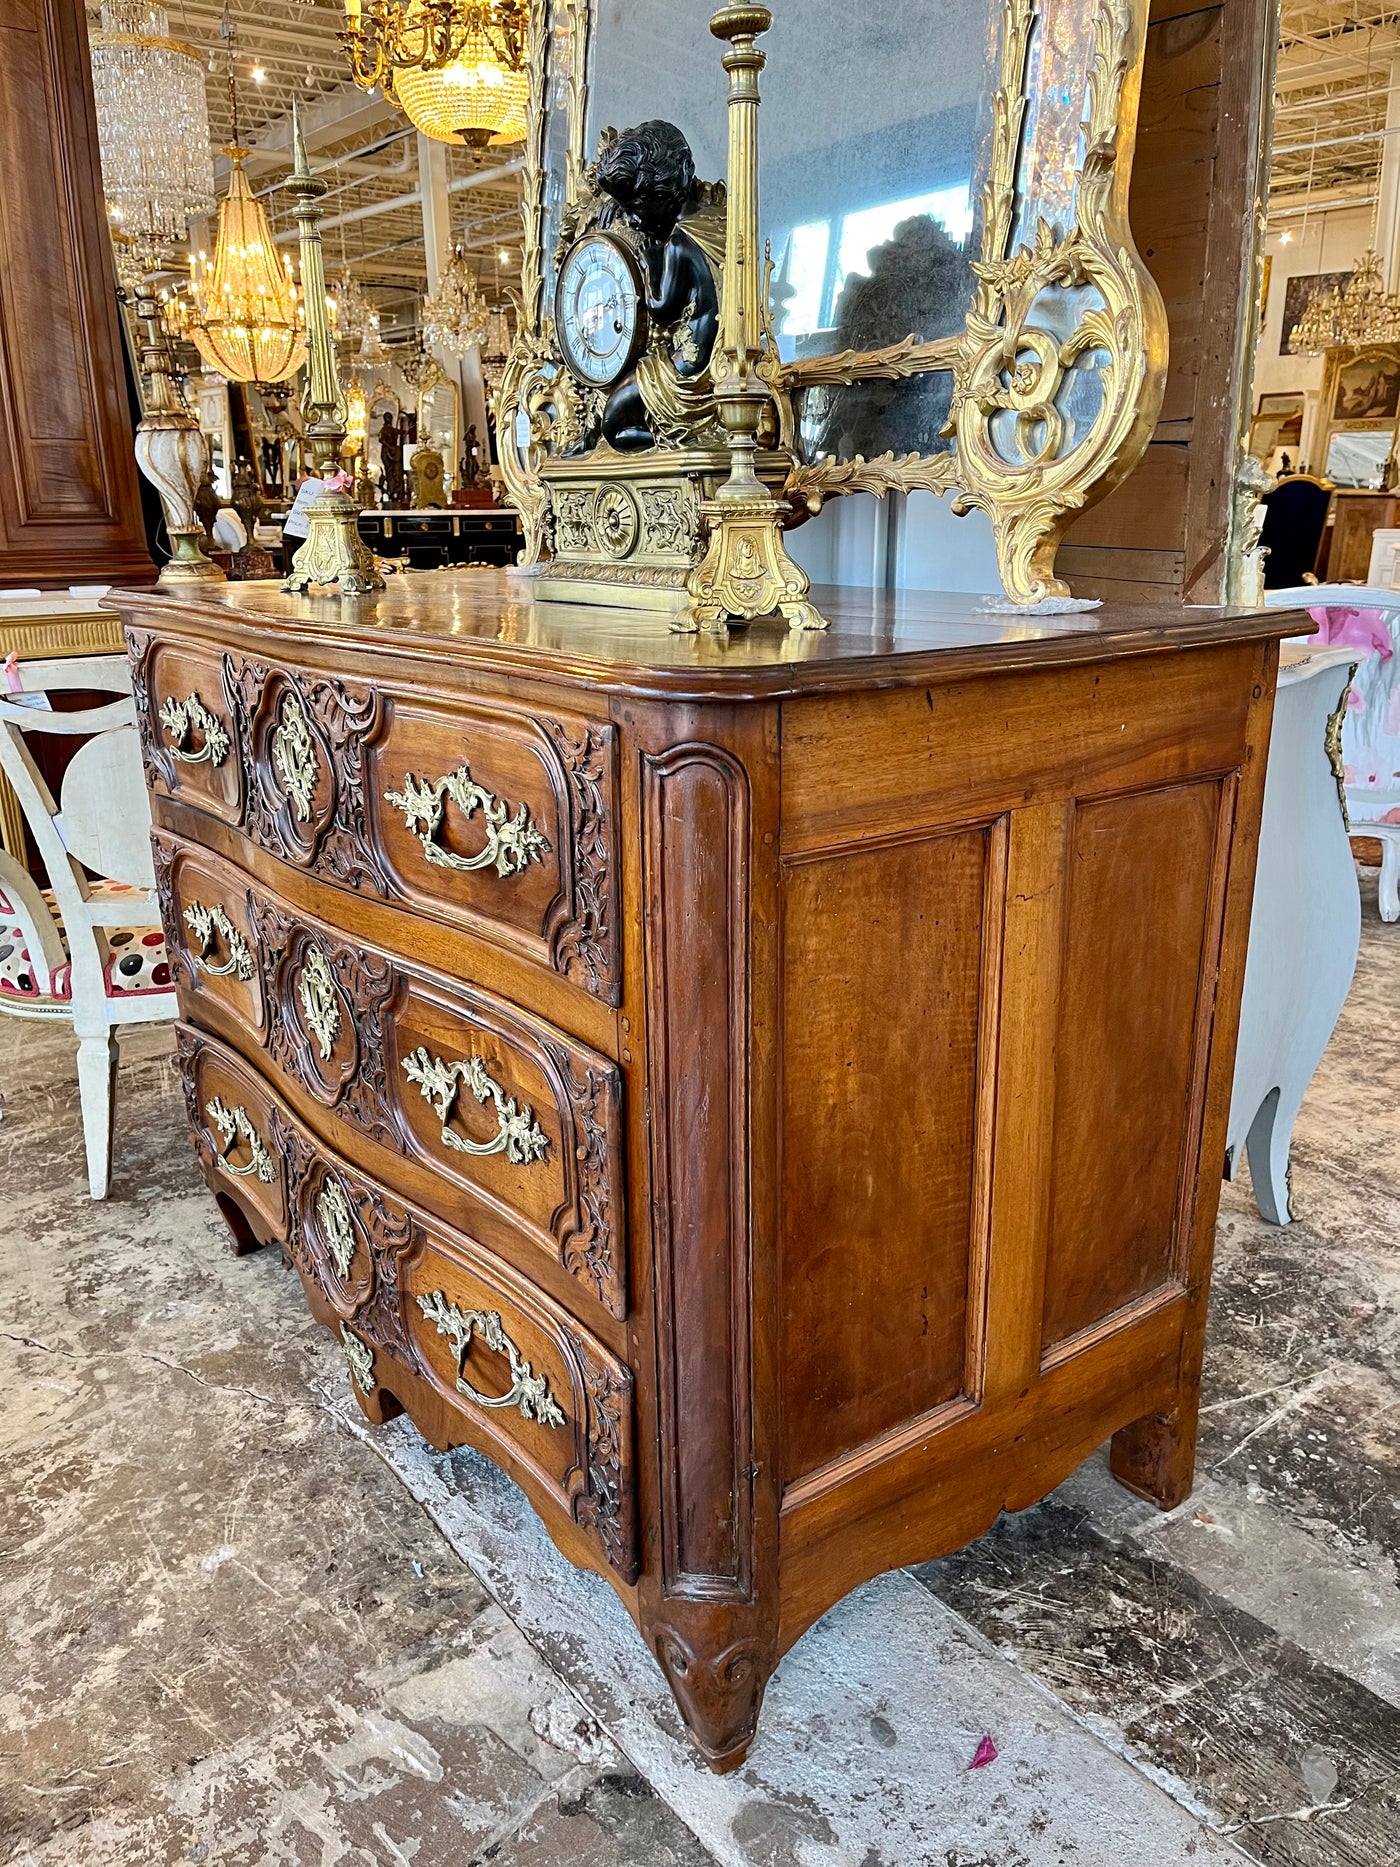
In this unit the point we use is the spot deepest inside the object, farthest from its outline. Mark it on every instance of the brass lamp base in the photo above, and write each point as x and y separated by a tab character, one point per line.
334	555
187	563
747	573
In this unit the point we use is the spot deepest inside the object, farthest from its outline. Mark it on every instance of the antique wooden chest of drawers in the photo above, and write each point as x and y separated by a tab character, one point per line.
766	1092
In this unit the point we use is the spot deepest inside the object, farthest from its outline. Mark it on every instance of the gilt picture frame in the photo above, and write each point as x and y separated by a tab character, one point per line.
1063	315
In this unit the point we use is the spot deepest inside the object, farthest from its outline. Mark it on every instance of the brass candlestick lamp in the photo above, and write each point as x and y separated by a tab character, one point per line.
746	572
334	555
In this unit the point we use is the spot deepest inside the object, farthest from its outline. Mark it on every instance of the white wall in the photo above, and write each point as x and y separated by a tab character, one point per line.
1317	243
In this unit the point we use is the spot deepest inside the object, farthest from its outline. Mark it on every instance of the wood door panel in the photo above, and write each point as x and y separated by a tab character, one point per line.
879	1138
69	500
1141	872
874	765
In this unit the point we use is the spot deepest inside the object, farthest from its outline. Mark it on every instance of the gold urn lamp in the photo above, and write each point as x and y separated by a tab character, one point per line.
334	557
650	409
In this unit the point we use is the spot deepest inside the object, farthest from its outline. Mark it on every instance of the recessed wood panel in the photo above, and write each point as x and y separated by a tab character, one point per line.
1140	881
882	959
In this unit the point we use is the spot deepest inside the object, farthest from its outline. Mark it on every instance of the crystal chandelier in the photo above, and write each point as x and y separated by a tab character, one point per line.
1359	314
241	313
457	67
152	124
353	310
455	316
495	349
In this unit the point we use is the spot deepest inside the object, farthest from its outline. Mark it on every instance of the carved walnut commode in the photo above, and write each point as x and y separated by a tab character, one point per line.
766	1093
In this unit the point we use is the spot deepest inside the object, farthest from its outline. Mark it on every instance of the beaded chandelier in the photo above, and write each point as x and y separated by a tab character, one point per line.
152	125
455	316
1360	313
241	313
457	67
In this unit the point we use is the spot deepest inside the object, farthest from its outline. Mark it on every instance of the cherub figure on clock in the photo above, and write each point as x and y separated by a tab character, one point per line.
638	301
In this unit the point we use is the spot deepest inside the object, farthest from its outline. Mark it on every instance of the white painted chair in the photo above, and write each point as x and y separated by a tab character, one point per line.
1371	734
1306	930
90	949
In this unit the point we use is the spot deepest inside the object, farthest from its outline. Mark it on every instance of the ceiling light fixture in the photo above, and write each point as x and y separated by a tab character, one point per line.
457	67
152	124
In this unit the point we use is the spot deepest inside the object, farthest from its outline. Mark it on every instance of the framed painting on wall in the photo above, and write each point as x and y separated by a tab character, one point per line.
1278	422
1298	293
1368	388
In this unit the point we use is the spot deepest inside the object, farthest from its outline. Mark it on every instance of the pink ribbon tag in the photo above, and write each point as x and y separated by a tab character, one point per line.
12	674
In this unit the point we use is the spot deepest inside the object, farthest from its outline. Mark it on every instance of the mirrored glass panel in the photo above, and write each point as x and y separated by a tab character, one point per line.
874	150
1357	457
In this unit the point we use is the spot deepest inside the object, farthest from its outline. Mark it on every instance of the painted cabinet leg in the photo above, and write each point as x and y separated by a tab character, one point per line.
97	1069
1156	1458
1269	1141
1390	878
717	1682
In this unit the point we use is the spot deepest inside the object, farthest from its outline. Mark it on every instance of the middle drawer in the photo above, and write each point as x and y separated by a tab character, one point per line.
499	1122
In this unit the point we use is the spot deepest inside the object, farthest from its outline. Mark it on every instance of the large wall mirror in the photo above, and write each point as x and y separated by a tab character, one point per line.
955	300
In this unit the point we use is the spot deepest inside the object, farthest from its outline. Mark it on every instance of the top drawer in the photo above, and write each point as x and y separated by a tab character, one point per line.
475	812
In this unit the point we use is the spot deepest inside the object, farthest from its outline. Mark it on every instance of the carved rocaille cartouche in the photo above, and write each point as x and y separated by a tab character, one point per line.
708	1081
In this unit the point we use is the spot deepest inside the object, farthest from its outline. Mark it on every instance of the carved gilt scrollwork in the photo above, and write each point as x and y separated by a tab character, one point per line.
1014	452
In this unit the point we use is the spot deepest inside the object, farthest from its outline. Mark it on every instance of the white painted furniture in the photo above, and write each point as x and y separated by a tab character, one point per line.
1306	930
1371	733
101	824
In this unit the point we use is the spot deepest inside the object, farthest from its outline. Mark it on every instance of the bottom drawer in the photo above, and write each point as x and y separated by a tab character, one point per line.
425	1315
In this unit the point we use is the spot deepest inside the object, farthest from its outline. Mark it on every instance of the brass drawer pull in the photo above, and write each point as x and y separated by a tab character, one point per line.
294	755
518	1135
512	843
209	924
235	1125
181	719
529	1391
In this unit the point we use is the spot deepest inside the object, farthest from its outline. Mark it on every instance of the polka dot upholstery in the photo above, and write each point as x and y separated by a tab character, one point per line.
138	961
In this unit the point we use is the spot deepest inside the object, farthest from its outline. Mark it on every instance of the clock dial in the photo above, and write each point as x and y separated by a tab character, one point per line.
599	315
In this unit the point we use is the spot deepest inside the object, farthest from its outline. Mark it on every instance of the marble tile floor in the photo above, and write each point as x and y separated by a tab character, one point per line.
240	1626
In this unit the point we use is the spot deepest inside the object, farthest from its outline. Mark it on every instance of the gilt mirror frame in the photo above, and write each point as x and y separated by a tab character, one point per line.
1008	367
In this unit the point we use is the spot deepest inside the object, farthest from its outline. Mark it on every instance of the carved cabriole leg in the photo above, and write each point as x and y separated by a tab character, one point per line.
1156	1456
701	925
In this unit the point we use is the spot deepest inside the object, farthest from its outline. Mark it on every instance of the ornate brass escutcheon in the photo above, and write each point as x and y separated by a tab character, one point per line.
361	1359
236	1125
209	925
529	1392
518	1135
182	719
320	1002
337	1225
294	755
512	843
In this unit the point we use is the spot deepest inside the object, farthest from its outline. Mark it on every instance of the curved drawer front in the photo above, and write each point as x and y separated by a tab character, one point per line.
188	736
516	1124
210	932
506	1107
506	821
239	1131
480	814
407	1293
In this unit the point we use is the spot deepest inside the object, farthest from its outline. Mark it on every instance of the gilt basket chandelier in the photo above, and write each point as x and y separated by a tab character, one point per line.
241	311
457	67
152	125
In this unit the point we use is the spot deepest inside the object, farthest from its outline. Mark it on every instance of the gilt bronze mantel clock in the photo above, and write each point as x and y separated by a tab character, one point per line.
998	341
656	429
